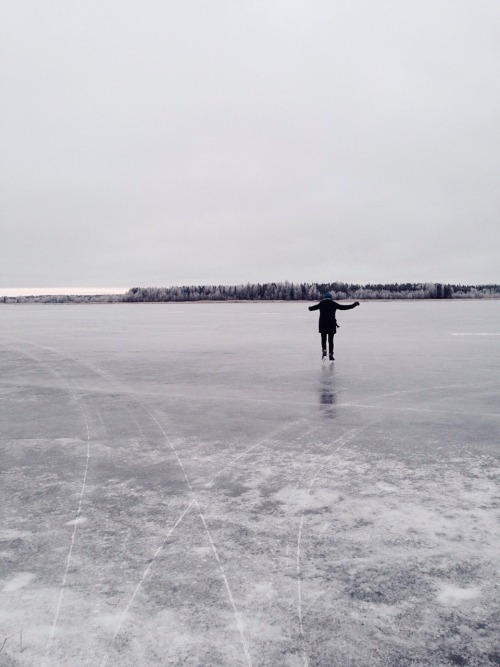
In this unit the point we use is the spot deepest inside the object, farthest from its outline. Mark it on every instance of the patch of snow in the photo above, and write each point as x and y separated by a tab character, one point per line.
77	522
10	534
20	580
454	595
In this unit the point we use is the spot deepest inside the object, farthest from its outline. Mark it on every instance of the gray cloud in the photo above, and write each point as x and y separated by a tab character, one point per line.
173	142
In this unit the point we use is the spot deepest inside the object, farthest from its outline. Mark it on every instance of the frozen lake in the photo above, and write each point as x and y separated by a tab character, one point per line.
188	484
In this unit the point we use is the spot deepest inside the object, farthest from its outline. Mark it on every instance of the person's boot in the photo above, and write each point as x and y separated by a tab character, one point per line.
323	356
332	358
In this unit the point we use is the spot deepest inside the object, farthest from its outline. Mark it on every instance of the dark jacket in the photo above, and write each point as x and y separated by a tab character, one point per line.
327	309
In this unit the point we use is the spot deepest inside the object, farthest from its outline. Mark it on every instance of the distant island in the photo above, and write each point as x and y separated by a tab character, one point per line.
280	291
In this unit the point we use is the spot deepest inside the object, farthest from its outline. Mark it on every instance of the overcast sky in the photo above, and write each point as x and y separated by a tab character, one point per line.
161	142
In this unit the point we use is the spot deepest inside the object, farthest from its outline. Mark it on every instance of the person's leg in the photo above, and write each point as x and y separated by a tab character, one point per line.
330	345
323	344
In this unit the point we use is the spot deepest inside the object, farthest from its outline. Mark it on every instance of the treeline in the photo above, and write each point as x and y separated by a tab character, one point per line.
309	292
280	291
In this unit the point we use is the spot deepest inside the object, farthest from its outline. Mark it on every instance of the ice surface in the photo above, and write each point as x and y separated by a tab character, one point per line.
191	485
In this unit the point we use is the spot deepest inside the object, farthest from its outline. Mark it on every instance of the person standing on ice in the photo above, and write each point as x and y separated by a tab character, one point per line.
327	322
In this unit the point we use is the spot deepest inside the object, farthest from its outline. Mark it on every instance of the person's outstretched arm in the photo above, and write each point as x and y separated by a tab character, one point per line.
314	307
341	306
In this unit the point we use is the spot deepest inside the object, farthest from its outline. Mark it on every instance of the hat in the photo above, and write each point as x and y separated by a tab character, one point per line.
327	295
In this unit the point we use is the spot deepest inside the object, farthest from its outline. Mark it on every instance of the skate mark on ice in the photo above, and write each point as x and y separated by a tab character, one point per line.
181	517
269	401
113	382
393	408
76	522
60	375
193	502
364	404
425	390
143	578
310	404
343	440
141	434
236	614
257	445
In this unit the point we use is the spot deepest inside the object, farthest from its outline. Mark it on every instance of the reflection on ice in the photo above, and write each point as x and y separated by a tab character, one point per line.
327	386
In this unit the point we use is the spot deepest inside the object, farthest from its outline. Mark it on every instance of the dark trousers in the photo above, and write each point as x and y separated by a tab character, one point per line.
330	341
